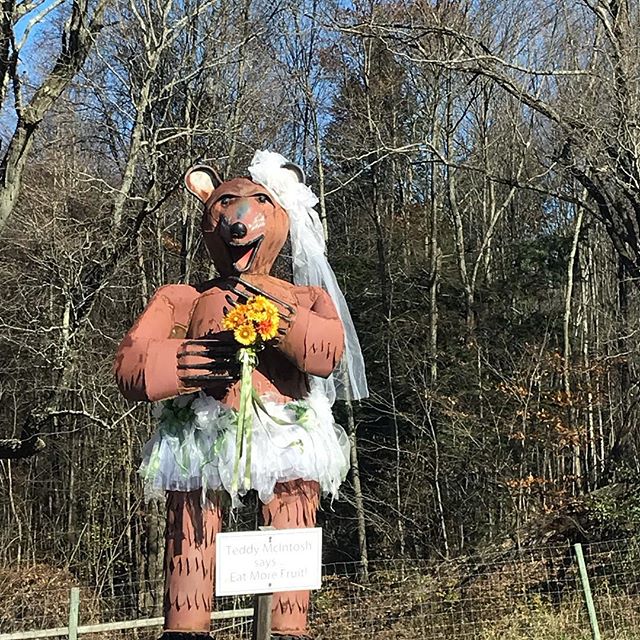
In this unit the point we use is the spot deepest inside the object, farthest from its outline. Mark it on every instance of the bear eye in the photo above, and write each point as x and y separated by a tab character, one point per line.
225	200
262	199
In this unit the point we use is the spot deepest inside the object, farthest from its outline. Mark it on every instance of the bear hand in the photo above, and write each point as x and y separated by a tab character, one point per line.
207	361
243	290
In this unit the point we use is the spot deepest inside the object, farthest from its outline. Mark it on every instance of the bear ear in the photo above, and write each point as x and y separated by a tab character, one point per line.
202	180
294	168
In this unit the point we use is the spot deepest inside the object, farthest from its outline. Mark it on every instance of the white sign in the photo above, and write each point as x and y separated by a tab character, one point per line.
268	561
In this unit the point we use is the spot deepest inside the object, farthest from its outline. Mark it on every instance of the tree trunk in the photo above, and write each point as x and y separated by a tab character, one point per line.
12	168
357	493
566	367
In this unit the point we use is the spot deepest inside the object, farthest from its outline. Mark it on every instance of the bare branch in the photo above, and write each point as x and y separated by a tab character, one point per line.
14	449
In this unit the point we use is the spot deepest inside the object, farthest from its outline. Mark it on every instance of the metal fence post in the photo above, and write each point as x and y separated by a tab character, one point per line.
74	612
586	588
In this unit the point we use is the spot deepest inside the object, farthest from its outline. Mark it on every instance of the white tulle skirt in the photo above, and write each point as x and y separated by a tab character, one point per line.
194	447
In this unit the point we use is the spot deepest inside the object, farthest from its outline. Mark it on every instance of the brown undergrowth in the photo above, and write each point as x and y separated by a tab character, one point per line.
37	597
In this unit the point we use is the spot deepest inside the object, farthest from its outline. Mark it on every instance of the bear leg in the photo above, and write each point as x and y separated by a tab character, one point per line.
189	562
295	505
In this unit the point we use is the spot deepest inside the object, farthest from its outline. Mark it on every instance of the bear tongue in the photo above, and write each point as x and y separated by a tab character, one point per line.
241	256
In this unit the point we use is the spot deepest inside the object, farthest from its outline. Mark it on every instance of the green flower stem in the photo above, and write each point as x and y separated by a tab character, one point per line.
248	359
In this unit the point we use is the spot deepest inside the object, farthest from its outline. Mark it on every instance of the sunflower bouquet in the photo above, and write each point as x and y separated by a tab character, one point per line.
253	324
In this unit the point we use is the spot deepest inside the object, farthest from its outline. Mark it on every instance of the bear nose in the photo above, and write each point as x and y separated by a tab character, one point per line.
238	230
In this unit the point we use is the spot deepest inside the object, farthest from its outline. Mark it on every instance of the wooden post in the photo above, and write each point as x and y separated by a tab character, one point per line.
586	588
262	617
74	613
262	611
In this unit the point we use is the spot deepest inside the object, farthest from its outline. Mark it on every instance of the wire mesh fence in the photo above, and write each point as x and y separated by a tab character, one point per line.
509	595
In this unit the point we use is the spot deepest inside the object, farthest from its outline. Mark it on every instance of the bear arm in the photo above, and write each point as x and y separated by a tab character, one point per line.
146	360
315	340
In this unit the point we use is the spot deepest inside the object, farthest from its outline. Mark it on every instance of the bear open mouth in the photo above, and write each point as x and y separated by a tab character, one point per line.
243	255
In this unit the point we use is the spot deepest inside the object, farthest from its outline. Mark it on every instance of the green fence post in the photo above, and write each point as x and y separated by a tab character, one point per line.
74	612
586	588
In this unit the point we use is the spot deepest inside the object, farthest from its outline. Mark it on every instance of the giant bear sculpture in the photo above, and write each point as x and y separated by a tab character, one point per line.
178	349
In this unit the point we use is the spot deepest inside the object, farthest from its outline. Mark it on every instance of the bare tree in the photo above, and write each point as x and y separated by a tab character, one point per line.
583	94
77	37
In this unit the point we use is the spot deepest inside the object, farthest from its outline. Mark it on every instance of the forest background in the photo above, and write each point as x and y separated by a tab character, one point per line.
478	168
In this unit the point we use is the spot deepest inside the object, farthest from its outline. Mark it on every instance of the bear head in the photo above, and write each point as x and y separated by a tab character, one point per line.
244	227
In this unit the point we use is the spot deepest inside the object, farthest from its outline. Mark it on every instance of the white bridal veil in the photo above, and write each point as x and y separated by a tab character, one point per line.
311	267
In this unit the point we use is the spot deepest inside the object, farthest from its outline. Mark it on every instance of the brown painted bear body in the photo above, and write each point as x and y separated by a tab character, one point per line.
244	229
